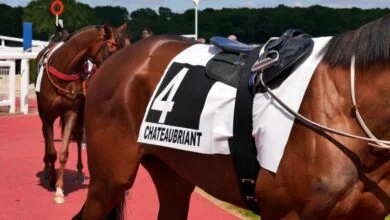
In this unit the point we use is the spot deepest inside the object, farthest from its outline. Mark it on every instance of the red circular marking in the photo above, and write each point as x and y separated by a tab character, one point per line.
59	9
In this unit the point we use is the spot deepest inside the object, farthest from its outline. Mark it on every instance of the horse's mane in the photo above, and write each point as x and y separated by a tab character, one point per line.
369	43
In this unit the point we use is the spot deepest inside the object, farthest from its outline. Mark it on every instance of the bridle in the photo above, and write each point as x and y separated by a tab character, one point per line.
371	139
119	41
104	50
379	143
84	75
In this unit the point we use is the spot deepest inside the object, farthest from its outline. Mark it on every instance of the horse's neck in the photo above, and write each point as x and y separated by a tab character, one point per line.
373	95
328	102
69	57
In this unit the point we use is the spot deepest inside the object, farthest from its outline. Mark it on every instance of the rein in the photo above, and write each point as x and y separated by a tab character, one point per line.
373	141
379	143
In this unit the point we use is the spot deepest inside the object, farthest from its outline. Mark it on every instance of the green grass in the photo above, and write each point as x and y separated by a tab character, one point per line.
239	212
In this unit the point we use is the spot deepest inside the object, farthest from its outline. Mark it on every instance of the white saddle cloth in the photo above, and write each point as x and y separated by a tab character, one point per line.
271	124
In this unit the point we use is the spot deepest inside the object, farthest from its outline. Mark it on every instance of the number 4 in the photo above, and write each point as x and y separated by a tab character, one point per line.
167	106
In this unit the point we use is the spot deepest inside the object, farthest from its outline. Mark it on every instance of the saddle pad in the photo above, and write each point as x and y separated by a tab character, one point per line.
190	111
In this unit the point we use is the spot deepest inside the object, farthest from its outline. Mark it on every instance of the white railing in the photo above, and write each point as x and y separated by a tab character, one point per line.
16	53
7	85
12	55
35	43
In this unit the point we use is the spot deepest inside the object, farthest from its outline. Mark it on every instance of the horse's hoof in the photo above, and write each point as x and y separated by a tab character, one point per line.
80	178
59	197
59	200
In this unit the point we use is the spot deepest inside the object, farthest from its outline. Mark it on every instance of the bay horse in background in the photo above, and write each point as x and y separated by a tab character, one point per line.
321	176
62	91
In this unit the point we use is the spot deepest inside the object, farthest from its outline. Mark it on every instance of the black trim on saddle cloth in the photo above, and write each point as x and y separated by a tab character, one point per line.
242	145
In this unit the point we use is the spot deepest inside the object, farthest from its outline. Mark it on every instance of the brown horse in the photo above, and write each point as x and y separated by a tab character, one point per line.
321	176
62	88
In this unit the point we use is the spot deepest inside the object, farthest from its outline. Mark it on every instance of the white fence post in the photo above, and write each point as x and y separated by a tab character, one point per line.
25	75
10	77
12	87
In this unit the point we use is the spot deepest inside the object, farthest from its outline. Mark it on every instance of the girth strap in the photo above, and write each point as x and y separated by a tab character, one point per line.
242	145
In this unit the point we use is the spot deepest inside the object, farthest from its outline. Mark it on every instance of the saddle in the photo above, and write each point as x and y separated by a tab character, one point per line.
231	46
225	66
287	52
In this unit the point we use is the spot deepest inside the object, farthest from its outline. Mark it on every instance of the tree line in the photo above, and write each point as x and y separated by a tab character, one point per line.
249	25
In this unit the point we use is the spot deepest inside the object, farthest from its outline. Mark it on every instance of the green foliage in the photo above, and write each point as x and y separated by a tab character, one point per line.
33	71
254	25
115	16
10	20
76	15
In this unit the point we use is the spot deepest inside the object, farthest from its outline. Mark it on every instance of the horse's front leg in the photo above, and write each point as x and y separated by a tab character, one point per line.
70	120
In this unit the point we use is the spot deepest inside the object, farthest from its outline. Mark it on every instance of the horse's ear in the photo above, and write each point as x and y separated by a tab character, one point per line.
107	31
122	28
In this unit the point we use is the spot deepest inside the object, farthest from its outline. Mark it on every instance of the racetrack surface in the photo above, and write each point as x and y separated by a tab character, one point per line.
23	195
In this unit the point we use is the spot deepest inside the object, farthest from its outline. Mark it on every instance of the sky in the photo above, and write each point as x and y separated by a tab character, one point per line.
182	5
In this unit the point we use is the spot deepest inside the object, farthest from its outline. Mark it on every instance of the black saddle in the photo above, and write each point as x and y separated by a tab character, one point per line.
230	45
292	48
225	66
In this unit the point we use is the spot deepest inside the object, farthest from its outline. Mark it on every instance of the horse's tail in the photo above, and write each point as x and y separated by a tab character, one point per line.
119	211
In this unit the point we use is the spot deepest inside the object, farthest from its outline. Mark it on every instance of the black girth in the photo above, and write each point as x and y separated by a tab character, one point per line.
242	145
